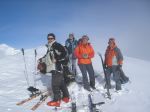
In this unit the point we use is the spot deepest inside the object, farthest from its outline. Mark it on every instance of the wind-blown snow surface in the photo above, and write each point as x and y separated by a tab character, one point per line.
135	96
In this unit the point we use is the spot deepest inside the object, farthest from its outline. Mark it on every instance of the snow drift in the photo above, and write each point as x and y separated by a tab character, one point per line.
135	96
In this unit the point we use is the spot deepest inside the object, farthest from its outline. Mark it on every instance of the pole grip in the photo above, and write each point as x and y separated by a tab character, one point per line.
22	51
35	52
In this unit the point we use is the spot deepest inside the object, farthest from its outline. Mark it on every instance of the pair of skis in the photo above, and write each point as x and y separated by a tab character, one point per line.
41	101
28	99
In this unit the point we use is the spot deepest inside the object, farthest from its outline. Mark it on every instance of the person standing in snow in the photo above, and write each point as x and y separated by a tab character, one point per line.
71	44
57	54
84	52
113	62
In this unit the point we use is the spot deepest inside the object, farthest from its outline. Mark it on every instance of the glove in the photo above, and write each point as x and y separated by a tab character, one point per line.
39	60
119	66
105	66
85	56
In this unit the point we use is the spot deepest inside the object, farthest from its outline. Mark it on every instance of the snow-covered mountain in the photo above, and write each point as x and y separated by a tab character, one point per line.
135	96
6	50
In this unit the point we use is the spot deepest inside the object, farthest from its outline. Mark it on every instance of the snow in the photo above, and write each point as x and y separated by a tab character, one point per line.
135	96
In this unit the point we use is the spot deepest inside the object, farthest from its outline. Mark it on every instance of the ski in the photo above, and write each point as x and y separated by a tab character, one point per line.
41	101
73	107
92	106
29	99
73	103
108	93
32	96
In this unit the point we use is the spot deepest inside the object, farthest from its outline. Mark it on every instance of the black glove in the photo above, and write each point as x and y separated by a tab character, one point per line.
105	66
119	66
39	60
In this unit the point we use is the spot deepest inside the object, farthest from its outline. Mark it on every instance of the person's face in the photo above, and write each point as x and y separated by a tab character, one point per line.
85	41
111	43
50	39
71	37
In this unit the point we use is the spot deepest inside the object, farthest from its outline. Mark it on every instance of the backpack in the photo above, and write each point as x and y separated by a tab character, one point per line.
42	67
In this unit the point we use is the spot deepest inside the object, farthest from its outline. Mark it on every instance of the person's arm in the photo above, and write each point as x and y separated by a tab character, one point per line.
67	43
105	56
77	52
92	53
119	56
60	51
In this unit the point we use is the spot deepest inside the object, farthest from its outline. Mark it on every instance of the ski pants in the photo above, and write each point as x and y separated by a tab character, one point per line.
59	86
84	68
116	76
72	62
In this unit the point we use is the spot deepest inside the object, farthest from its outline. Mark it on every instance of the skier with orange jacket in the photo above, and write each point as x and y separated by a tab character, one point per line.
84	52
113	62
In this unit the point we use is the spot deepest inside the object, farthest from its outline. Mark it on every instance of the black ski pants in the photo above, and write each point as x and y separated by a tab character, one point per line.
59	87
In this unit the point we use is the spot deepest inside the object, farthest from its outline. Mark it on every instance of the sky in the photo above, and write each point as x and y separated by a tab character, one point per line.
26	23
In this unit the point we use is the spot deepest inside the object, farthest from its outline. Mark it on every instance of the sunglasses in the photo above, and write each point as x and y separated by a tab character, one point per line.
50	38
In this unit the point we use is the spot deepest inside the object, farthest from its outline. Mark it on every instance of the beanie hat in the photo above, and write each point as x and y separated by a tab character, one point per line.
71	34
85	37
111	40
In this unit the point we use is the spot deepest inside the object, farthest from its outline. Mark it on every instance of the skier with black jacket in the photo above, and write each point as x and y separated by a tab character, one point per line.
57	54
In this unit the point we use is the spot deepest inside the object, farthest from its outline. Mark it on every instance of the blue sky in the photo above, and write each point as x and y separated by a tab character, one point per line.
26	23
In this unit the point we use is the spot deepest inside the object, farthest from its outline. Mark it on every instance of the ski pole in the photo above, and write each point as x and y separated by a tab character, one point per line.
34	75
73	103
25	71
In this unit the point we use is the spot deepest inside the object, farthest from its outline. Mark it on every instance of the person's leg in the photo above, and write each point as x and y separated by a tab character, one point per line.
70	62
90	70
56	82
65	92
116	75
74	67
64	89
108	75
84	75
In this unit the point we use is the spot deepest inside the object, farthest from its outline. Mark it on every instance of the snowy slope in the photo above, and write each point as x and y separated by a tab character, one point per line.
6	50
135	96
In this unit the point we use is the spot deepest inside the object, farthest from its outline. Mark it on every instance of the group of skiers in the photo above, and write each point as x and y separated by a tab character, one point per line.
60	61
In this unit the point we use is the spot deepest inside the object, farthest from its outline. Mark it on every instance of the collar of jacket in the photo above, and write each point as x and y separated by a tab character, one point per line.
111	47
68	40
84	45
50	44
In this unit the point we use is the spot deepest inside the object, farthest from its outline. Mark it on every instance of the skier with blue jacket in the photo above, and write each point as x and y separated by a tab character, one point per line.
71	44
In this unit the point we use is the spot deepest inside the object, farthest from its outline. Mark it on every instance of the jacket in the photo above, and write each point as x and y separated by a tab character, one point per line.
113	56
80	50
58	51
70	46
